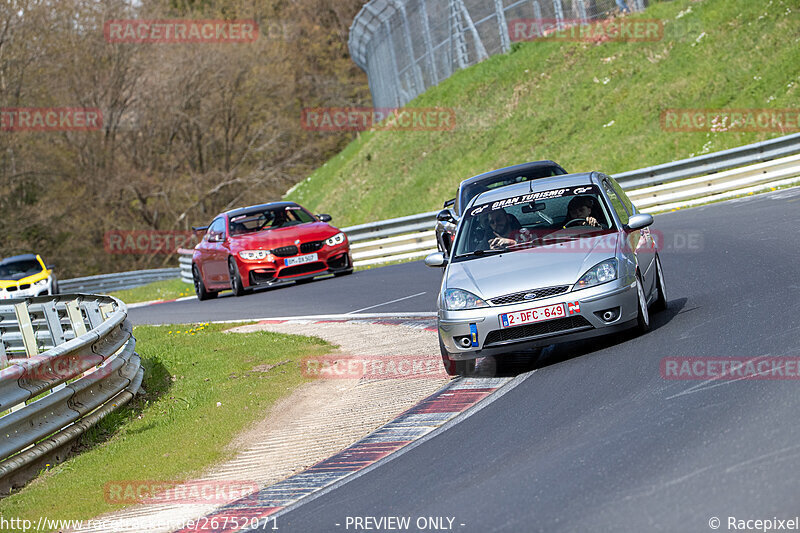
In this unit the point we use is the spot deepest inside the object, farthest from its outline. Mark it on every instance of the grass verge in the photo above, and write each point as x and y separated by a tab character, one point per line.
587	106
176	429
158	290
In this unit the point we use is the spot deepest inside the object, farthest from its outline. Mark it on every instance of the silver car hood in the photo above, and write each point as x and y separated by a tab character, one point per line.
534	268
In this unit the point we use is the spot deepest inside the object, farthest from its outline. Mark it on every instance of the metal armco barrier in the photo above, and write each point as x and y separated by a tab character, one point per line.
773	163
186	265
709	163
65	362
116	282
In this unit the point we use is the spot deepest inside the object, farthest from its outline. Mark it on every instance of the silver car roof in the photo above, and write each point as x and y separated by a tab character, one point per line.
541	184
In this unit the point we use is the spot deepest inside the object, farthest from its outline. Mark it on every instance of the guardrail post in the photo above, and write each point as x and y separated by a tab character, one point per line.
54	323
26	328
76	318
56	331
106	310
93	313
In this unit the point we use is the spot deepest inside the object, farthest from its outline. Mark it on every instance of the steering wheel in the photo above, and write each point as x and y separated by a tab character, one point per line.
581	220
478	238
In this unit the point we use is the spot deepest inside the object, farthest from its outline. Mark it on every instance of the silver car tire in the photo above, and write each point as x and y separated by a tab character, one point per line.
453	367
661	302
643	318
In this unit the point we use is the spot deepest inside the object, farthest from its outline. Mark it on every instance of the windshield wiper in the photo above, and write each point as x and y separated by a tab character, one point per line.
481	253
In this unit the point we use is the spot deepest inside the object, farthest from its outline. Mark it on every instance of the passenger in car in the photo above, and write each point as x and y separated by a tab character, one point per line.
505	230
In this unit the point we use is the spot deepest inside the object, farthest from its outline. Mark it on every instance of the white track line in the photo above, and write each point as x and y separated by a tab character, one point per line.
361	316
386	303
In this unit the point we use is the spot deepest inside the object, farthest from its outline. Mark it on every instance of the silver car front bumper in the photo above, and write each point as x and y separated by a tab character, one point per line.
483	326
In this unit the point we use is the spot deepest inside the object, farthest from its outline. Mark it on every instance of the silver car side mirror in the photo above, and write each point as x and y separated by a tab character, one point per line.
640	221
436	259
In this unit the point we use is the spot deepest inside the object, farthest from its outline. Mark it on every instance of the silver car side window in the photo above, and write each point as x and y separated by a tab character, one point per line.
622	196
616	203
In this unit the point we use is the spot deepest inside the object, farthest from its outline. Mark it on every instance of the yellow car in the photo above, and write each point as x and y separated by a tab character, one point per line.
23	276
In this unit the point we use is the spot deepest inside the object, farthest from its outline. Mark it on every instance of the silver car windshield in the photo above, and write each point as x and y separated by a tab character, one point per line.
534	219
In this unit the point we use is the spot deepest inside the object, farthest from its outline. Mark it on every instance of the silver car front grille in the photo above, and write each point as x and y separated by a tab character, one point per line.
529	296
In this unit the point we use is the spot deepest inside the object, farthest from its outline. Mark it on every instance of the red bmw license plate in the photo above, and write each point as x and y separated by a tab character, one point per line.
529	316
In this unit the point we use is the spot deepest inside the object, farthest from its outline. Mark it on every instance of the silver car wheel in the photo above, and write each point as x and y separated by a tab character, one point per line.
644	313
661	301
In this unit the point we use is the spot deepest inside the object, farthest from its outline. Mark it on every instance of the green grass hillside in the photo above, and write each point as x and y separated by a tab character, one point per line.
586	106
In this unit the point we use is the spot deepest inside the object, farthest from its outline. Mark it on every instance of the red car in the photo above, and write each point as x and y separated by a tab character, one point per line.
265	244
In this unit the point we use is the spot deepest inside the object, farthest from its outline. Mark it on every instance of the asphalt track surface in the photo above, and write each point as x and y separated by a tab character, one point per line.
594	439
408	287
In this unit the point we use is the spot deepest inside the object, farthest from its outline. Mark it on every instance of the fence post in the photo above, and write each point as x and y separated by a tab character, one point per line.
479	48
412	61
457	41
502	25
537	14
559	10
394	67
582	11
426	30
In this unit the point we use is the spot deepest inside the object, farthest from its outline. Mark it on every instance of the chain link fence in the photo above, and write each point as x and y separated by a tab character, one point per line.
406	46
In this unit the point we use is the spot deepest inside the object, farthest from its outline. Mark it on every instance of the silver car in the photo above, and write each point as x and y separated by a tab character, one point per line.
551	260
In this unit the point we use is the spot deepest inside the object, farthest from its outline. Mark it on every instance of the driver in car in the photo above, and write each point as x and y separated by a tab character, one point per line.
505	230
580	209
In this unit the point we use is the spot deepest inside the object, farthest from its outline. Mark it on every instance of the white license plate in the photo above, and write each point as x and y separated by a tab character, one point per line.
529	316
303	259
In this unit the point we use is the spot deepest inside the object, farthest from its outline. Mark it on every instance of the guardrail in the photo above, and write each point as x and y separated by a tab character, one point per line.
66	361
105	283
682	183
711	163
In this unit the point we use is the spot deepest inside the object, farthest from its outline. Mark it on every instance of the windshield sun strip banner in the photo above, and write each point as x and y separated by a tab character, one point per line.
534	196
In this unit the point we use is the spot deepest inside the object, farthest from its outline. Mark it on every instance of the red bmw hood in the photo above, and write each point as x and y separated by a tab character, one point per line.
275	238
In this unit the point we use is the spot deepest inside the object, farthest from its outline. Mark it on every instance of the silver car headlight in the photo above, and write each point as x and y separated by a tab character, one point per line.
253	255
335	240
458	299
598	274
